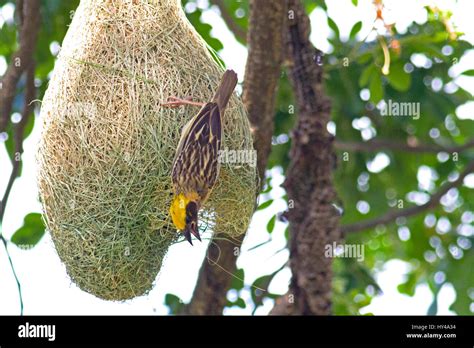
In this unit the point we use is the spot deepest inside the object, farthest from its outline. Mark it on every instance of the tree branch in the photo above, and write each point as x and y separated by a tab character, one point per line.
393	215
18	144
29	21
17	280
313	220
265	37
28	13
382	144
262	72
22	61
239	32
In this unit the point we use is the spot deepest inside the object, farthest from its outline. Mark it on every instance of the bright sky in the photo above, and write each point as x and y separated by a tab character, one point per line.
46	287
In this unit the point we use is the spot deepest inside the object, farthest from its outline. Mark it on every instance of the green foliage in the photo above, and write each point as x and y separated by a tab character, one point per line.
28	235
238	279
398	78
427	250
237	285
375	87
405	82
334	27
460	273
239	303
284	121
355	30
204	29
271	224
265	204
174	303
238	11
366	75
8	44
310	5
259	287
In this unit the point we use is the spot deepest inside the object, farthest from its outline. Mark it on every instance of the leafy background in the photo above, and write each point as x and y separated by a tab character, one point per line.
437	244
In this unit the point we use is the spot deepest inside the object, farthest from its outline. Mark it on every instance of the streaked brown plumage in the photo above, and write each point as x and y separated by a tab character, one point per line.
196	167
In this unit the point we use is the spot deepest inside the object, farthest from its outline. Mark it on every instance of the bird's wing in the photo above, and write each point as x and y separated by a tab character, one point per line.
196	161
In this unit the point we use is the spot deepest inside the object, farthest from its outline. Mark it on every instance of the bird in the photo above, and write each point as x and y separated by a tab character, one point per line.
196	164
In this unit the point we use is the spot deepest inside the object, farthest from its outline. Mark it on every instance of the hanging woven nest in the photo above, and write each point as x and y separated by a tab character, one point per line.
107	146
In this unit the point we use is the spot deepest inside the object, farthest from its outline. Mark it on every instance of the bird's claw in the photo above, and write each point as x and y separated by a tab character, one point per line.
174	102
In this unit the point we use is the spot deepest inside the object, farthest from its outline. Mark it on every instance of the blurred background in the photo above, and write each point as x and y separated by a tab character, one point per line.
419	264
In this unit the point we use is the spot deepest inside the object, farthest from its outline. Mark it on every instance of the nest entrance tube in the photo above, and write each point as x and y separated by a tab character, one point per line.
107	146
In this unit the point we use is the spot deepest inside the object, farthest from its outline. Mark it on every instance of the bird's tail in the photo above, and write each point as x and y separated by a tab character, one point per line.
225	89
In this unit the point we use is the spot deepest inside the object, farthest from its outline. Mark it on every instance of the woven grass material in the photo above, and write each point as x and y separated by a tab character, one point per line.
107	146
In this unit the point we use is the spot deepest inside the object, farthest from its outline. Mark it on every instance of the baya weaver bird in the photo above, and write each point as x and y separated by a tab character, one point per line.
196	167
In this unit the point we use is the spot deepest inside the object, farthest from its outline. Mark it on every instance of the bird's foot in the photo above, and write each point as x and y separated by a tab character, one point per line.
174	102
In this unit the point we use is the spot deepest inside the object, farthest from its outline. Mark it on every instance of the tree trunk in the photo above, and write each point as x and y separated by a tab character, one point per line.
312	217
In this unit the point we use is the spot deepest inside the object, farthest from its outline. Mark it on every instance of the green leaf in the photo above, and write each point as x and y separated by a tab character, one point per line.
468	72
310	5
271	224
439	37
334	27
365	57
268	187
8	43
238	279
259	288
264	205
409	286
240	303
460	271
376	88
355	29
355	2
174	303
432	50
398	78
366	75
30	233
204	30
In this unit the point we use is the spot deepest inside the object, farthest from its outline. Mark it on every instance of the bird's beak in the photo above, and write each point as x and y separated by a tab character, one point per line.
195	232
187	235
191	228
